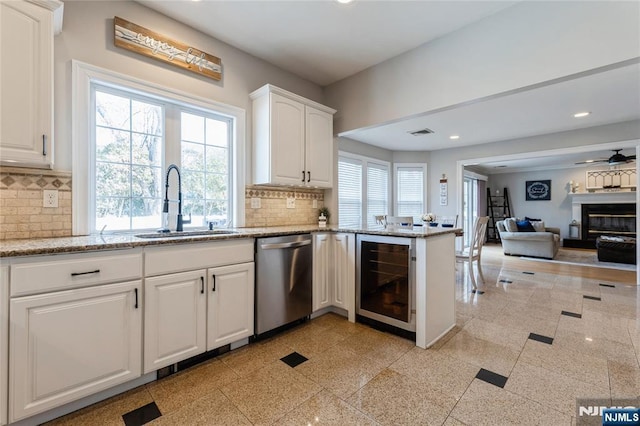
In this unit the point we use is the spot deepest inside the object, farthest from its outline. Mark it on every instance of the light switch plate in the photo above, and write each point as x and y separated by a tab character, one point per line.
291	203
255	203
50	198
315	204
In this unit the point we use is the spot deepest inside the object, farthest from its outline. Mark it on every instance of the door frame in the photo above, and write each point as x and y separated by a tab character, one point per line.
634	143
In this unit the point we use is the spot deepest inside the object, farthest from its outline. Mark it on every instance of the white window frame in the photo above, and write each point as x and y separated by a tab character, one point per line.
365	161
83	174
422	166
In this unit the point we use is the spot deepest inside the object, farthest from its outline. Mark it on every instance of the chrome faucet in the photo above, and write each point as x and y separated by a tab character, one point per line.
165	208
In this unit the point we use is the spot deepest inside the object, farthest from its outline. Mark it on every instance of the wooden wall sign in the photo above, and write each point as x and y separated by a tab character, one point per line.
148	43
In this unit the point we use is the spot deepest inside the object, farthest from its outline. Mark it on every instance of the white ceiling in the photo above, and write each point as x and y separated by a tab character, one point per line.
551	162
611	96
325	41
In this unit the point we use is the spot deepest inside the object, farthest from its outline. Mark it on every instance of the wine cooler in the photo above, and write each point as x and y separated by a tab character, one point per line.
385	280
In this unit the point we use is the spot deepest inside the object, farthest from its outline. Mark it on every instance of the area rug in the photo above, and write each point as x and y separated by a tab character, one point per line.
583	257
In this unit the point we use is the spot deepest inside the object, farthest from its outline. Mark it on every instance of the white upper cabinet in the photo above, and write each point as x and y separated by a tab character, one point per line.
319	147
26	81
292	139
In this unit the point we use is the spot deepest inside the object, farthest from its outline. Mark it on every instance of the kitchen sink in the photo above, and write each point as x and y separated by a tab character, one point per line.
175	234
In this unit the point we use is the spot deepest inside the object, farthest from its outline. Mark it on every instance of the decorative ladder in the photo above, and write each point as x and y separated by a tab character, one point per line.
498	208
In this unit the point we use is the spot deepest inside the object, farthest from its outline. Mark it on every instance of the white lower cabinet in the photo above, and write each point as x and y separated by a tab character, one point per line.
321	296
334	271
69	344
344	271
230	309
174	318
4	341
190	312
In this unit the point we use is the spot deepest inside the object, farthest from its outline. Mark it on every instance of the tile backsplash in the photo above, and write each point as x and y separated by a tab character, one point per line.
273	209
22	214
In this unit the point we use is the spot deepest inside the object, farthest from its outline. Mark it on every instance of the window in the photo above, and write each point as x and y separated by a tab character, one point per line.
377	191
129	135
129	161
135	131
349	192
205	167
410	190
357	176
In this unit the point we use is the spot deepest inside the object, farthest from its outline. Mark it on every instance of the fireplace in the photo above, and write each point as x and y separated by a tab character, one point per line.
608	219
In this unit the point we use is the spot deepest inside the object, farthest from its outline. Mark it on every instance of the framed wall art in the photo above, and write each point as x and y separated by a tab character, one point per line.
538	190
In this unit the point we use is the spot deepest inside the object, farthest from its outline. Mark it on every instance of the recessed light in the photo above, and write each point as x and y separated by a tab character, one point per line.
589	161
454	137
344	1
581	114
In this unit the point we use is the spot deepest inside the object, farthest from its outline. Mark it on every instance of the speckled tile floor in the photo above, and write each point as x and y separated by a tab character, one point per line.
542	342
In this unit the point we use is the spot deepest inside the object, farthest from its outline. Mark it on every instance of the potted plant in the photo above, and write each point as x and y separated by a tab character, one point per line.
430	219
323	216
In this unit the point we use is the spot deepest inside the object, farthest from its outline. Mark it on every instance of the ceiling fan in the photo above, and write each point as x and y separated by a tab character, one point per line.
614	160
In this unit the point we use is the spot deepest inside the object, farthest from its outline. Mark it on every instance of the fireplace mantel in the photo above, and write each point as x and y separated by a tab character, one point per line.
603	197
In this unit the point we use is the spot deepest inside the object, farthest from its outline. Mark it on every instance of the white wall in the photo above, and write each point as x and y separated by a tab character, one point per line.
557	212
87	35
529	43
355	147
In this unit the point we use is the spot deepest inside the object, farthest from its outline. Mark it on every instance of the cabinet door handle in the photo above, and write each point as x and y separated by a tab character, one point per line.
214	282
201	285
308	176
44	145
303	175
135	290
75	274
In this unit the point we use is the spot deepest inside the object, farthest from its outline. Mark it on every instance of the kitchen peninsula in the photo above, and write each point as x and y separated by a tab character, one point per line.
434	262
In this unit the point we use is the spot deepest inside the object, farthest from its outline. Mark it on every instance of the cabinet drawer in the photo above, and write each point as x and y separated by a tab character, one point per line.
61	272
186	257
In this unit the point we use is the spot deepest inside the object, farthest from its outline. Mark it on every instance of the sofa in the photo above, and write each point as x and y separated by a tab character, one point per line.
536	241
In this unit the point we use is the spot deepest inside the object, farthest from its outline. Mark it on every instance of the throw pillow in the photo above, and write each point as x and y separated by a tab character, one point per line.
538	225
531	219
525	226
510	225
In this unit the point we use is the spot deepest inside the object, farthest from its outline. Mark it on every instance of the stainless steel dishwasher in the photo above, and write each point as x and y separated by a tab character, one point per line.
283	280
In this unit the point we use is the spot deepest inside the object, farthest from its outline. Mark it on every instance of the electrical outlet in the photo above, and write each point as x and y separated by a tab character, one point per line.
315	204
291	203
255	203
50	198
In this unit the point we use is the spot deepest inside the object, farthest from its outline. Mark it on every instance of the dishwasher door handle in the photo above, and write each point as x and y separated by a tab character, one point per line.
294	244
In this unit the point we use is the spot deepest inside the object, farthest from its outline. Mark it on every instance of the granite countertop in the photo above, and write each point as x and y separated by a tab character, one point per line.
30	247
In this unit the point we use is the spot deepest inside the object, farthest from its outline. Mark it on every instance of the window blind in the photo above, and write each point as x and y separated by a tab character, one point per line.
410	192
377	191
349	192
